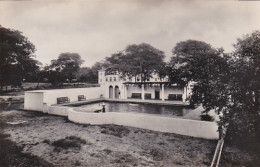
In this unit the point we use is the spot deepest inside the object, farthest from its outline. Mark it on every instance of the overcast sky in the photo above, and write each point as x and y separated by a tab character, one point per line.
98	28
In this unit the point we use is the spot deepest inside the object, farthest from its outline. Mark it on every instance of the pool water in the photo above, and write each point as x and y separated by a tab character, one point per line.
165	110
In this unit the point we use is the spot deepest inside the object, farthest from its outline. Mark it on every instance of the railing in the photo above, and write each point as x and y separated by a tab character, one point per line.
218	151
217	154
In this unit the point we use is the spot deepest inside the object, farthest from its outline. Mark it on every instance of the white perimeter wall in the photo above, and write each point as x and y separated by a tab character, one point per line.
200	129
50	96
34	100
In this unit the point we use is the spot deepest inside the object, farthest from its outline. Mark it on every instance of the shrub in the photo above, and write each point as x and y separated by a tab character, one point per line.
119	131
68	142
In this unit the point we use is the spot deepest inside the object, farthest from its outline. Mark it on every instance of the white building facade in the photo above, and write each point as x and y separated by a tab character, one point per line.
155	88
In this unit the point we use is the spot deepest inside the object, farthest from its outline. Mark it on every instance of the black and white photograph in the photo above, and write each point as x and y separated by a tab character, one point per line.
125	83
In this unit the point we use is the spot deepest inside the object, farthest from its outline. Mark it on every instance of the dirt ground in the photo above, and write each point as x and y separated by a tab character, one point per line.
107	145
32	139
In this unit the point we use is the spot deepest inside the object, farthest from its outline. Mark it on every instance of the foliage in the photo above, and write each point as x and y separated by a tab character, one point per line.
243	112
227	83
201	63
137	61
64	68
16	58
196	60
68	142
90	75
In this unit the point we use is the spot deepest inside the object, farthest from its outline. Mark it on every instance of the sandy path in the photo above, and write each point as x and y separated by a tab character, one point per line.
107	145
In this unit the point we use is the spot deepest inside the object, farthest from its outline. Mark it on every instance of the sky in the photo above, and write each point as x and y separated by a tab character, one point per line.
98	28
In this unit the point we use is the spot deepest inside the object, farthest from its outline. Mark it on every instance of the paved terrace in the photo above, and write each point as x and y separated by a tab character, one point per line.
139	101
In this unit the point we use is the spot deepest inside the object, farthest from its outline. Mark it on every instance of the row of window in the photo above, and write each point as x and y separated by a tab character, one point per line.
109	79
114	79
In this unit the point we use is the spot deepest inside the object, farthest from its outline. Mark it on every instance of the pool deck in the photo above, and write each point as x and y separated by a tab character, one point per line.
139	101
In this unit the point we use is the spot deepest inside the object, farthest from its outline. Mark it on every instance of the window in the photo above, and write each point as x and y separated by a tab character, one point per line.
155	79
106	79
110	78
101	73
148	80
138	79
114	78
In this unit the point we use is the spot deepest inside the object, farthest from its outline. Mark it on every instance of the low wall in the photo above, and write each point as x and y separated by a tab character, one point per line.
50	96
35	100
200	129
57	110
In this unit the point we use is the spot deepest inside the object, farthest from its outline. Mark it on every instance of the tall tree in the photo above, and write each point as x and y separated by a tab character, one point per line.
196	60
228	83
137	60
66	66
243	111
16	57
90	74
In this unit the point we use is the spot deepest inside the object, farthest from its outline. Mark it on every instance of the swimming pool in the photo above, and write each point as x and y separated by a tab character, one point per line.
164	110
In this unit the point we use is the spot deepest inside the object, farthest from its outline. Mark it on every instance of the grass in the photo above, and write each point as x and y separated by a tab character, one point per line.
157	154
67	143
115	130
11	154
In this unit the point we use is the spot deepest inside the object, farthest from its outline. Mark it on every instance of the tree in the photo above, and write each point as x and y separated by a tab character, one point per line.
196	60
137	60
90	74
65	67
16	57
243	111
199	62
229	84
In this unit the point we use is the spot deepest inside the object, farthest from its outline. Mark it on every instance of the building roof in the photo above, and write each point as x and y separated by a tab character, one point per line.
150	83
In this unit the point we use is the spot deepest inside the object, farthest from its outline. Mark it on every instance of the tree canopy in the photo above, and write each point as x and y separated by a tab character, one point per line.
16	57
137	61
196	60
227	83
90	74
64	68
243	111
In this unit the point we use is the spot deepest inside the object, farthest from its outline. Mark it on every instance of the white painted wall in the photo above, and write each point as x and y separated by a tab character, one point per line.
50	96
33	101
57	110
194	128
200	129
105	88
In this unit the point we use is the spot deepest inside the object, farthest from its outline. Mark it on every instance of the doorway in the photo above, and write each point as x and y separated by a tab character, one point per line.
156	94
117	92
110	91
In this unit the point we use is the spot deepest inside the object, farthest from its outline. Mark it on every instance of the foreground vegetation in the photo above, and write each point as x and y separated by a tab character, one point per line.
10	153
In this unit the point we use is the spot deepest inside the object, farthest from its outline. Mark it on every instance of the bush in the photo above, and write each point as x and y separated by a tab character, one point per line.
119	131
68	142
